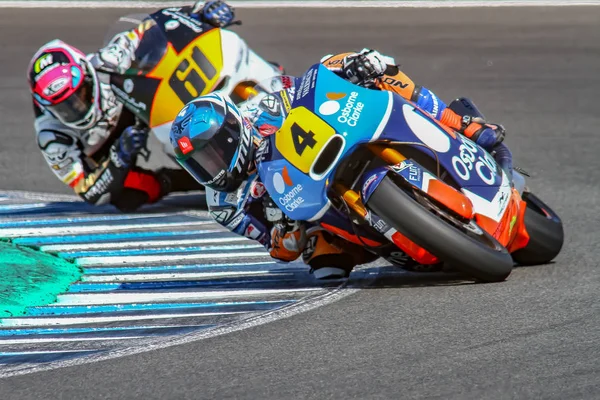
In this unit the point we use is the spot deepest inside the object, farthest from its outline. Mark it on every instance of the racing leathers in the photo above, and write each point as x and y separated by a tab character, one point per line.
250	212
99	162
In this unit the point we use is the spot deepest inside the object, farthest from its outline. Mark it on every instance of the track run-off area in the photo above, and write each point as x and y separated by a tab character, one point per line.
148	280
533	69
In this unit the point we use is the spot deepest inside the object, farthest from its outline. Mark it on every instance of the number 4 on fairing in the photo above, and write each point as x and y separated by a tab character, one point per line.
302	139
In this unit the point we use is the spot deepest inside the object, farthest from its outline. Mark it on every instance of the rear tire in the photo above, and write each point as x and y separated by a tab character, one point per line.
475	258
546	235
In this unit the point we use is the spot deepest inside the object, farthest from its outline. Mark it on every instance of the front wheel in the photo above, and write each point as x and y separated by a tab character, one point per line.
477	254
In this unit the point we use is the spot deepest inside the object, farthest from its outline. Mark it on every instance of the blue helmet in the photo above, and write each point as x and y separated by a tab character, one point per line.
213	142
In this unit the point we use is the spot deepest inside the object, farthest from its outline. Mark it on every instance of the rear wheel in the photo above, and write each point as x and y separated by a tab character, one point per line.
467	247
546	235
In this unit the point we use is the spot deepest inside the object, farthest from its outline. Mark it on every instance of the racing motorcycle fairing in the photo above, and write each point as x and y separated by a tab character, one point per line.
330	119
178	59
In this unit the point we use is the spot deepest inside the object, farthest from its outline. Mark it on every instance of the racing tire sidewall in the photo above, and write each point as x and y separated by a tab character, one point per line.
449	244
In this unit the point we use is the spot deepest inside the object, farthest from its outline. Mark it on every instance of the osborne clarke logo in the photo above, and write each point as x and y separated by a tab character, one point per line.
331	106
185	145
350	114
281	180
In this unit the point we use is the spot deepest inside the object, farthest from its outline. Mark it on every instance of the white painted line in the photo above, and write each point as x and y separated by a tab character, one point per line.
22	322
171	276
127	260
305	4
28	353
27	340
45	220
310	303
128	298
24	194
24	206
70	230
174	242
281	313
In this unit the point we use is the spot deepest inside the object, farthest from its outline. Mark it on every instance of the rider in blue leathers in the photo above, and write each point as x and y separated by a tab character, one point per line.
219	143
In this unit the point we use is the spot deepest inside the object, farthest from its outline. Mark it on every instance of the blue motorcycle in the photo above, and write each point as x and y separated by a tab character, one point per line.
374	169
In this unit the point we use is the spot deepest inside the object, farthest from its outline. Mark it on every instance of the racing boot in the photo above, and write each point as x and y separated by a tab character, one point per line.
330	257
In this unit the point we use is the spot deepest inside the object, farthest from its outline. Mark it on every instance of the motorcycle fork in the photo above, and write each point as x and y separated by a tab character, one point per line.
351	197
354	202
461	205
245	90
436	189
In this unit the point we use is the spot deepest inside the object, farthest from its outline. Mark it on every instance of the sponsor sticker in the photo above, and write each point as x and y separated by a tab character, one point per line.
42	63
350	112
56	86
171	25
236	221
470	159
292	200
367	184
263	150
267	130
257	190
286	101
125	97
101	185
281	180
185	145
128	85
184	20
252	232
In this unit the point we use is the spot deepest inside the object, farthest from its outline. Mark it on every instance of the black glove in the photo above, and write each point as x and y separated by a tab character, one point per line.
272	212
214	12
488	135
364	67
131	143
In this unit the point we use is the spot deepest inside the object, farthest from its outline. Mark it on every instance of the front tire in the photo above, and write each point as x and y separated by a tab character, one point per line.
546	235
485	259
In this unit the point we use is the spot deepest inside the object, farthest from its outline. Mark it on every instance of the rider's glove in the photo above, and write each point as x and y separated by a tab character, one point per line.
214	12
483	133
288	237
287	241
118	55
131	142
272	212
364	67
490	137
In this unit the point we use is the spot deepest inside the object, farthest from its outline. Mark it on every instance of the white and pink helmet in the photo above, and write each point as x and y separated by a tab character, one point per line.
63	81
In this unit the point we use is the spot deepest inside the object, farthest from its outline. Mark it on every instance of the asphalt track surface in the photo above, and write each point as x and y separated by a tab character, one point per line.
535	336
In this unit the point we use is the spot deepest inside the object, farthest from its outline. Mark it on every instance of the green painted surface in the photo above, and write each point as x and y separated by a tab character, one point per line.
29	277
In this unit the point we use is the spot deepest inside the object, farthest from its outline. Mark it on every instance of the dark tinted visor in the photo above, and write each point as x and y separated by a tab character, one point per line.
209	162
76	107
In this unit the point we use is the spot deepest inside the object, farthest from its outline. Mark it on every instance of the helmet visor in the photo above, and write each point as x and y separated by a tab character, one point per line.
210	163
77	106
